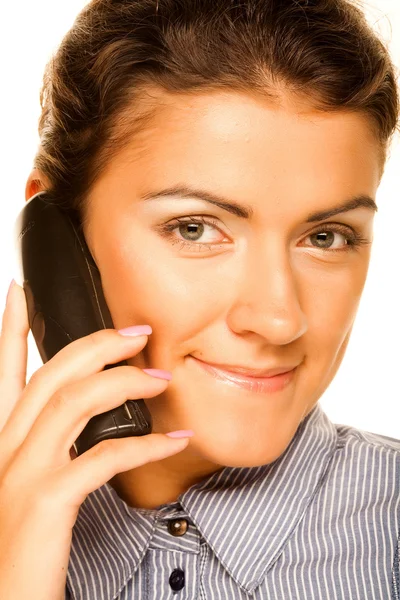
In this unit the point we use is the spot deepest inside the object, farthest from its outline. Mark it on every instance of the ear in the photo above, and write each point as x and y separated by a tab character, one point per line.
37	182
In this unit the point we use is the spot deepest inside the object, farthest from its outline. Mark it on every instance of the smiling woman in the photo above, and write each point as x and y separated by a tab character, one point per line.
223	164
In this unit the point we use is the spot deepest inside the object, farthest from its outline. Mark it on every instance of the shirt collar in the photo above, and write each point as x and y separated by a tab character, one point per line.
246	515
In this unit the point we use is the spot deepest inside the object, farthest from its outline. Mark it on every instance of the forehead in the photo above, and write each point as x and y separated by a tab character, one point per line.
231	137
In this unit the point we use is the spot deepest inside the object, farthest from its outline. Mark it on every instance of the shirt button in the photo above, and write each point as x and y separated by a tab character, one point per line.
177	579
177	527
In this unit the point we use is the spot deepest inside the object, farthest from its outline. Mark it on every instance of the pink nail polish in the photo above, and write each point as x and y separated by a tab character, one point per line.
9	290
180	433
136	330
158	373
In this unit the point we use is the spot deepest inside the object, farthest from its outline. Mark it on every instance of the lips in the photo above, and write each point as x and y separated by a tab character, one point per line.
250	372
260	385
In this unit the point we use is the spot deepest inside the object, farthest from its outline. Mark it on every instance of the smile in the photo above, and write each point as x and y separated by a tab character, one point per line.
260	385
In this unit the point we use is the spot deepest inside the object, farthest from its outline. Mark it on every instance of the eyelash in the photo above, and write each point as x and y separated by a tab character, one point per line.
354	239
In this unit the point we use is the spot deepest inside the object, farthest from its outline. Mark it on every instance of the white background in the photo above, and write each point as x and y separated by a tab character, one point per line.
365	392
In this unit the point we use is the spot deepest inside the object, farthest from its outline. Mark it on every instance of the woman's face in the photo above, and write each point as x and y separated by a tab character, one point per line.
276	288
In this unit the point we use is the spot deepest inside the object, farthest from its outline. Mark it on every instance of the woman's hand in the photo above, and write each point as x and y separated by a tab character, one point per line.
41	485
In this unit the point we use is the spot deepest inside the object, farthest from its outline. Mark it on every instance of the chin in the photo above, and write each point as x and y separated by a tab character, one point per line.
243	454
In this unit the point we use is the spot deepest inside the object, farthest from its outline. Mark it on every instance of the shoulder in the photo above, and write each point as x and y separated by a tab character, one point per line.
375	455
351	436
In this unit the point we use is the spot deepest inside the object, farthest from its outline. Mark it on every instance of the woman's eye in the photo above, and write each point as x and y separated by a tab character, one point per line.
329	239
324	239
194	231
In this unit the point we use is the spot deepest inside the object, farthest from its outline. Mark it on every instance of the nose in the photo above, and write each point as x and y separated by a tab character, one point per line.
267	296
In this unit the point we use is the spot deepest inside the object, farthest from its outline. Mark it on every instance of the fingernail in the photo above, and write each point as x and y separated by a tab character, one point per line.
181	433
158	373
136	330
9	290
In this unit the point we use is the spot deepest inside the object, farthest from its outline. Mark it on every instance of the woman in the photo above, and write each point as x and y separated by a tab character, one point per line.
224	160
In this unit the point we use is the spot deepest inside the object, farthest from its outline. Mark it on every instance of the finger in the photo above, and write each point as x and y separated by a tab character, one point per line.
71	407
97	466
13	351
75	361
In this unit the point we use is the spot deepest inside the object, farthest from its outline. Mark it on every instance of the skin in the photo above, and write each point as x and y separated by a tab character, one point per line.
266	293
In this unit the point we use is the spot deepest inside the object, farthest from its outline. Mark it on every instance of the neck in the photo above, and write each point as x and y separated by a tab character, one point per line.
162	482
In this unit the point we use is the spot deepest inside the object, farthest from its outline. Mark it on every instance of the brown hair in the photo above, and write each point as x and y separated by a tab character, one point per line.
94	86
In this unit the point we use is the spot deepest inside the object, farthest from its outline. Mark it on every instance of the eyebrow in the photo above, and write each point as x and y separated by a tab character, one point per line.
246	211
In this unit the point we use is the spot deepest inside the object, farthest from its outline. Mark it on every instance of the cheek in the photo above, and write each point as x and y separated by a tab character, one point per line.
331	300
176	297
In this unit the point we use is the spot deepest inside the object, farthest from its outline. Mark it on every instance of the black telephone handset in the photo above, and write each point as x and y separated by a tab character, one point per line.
65	302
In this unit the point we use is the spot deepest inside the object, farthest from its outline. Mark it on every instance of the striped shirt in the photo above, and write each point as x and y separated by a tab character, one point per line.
396	572
321	522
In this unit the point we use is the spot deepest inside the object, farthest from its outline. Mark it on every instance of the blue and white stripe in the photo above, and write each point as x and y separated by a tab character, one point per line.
319	523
